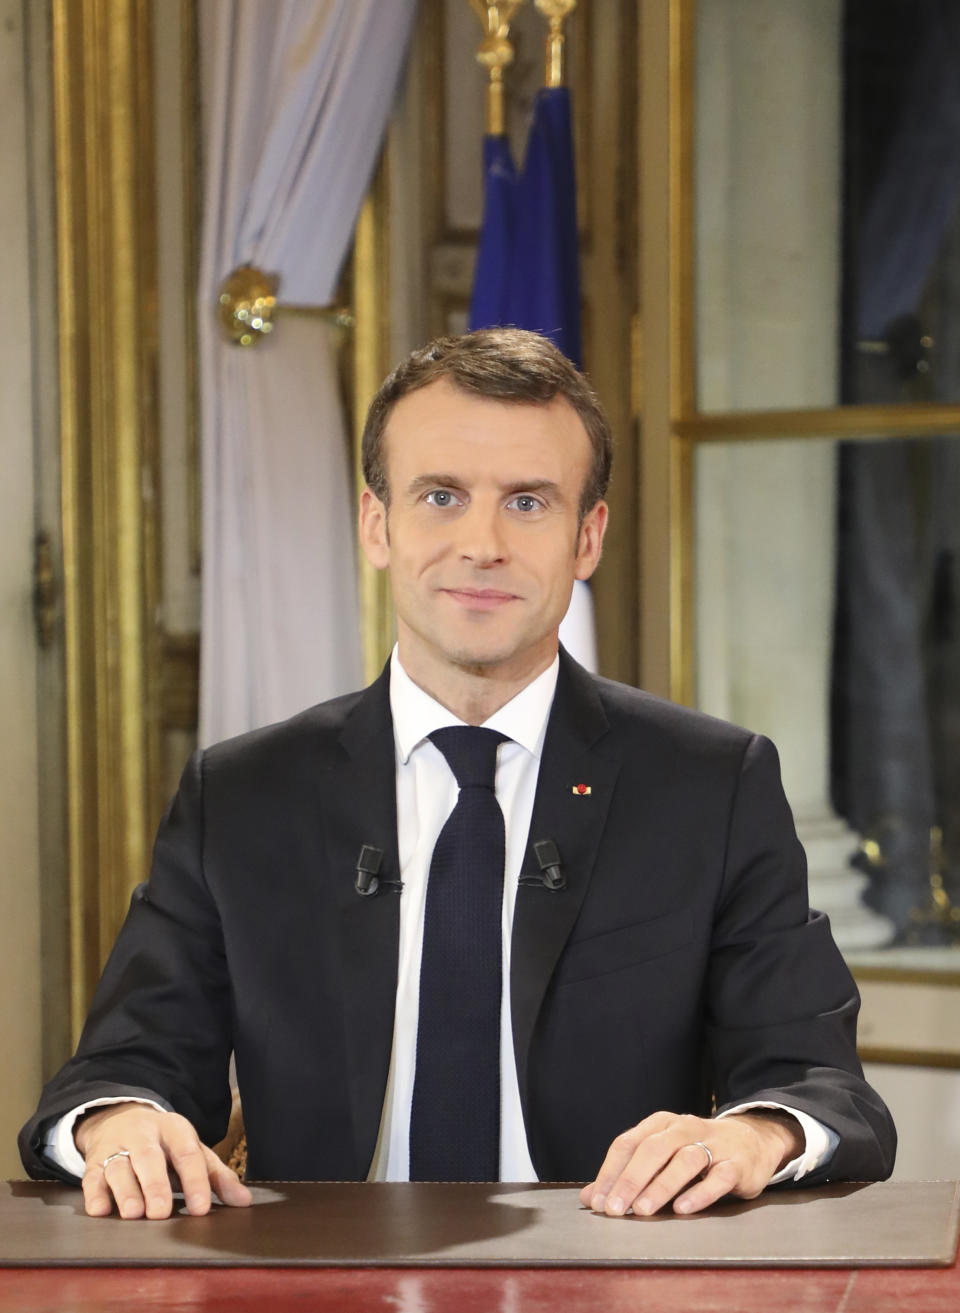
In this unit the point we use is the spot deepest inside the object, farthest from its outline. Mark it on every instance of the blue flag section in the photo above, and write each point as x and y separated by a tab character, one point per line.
528	269
490	302
528	265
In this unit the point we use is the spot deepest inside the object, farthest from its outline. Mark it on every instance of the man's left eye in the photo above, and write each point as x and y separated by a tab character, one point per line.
526	502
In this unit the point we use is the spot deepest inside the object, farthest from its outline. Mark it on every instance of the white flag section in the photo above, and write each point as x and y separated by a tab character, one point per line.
578	629
297	94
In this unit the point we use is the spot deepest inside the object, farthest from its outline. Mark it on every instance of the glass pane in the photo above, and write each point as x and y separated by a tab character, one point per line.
827	181
828	617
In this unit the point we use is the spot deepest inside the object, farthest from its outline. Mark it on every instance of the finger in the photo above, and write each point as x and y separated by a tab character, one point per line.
647	1163
189	1161
686	1165
228	1186
122	1182
723	1178
619	1154
97	1199
149	1163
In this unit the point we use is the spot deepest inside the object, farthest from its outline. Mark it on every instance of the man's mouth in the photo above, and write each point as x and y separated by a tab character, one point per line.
480	599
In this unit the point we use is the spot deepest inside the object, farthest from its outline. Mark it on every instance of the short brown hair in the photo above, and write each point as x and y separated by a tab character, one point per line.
505	364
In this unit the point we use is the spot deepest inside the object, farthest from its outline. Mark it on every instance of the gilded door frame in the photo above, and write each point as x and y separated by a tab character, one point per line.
671	424
107	291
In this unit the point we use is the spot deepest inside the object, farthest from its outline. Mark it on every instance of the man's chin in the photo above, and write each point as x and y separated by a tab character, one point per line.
478	660
497	658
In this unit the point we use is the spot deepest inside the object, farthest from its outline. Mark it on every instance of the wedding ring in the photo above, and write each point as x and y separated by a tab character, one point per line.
125	1153
699	1144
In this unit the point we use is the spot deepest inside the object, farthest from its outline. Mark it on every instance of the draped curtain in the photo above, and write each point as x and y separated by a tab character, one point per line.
296	98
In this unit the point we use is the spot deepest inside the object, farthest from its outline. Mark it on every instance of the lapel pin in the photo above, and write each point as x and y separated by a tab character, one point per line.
581	790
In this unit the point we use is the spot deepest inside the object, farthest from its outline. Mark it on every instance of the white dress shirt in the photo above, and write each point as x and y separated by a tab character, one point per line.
426	795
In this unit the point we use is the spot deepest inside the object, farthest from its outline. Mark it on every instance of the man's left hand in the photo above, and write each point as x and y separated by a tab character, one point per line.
658	1159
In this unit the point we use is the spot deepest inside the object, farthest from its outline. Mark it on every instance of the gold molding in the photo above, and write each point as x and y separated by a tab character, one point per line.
682	347
894	975
660	564
846	422
371	351
433	44
941	1058
102	79
688	427
682	317
681	570
190	110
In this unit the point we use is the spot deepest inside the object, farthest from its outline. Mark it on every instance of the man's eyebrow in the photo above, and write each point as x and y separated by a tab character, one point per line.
535	485
424	482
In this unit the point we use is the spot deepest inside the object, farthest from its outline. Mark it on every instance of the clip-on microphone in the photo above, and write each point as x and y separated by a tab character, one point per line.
551	873
368	872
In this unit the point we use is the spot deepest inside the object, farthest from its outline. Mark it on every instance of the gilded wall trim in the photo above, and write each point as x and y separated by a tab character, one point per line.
371	359
846	422
908	1057
106	293
669	32
192	188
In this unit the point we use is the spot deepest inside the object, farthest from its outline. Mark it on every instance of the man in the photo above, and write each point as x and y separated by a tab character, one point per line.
652	954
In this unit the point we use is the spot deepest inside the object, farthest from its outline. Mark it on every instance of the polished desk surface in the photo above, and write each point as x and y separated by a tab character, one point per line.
504	1290
480	1291
39	1224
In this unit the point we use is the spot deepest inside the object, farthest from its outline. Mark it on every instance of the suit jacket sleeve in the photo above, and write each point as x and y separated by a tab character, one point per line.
160	1023
781	1003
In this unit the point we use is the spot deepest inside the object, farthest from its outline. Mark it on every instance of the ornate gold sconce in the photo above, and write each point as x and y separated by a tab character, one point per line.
495	53
556	13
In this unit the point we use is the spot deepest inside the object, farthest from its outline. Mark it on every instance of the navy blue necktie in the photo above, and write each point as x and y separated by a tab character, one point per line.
455	1117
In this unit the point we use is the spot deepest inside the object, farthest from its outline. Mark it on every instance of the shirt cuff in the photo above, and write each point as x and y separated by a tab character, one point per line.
820	1141
59	1146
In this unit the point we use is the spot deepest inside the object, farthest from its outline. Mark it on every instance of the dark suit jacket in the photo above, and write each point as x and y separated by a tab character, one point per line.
678	965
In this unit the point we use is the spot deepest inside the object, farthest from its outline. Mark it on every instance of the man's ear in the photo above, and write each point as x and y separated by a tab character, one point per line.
590	540
374	538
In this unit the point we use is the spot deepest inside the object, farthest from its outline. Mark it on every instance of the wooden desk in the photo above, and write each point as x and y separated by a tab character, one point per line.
271	1257
453	1290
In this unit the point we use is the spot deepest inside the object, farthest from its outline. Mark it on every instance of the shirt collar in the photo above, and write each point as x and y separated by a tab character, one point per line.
416	714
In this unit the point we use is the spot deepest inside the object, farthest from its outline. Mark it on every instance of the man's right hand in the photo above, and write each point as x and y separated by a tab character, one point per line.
152	1146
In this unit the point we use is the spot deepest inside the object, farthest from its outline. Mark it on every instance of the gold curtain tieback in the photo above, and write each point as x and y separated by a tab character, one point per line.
247	300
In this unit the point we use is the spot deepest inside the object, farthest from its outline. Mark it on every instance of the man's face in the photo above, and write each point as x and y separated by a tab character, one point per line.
481	537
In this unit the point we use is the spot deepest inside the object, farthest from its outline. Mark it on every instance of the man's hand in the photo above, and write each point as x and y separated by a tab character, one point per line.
150	1147
656	1160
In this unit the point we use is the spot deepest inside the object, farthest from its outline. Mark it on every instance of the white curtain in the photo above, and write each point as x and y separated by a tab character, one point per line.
296	98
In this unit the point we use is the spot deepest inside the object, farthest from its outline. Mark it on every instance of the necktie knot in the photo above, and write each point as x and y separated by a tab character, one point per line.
471	753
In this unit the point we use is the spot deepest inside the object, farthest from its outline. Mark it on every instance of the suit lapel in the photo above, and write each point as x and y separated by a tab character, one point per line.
360	807
542	919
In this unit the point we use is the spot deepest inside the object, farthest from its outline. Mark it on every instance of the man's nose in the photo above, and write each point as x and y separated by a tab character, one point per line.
481	536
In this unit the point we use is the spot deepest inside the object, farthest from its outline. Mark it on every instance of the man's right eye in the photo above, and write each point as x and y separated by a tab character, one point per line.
441	497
